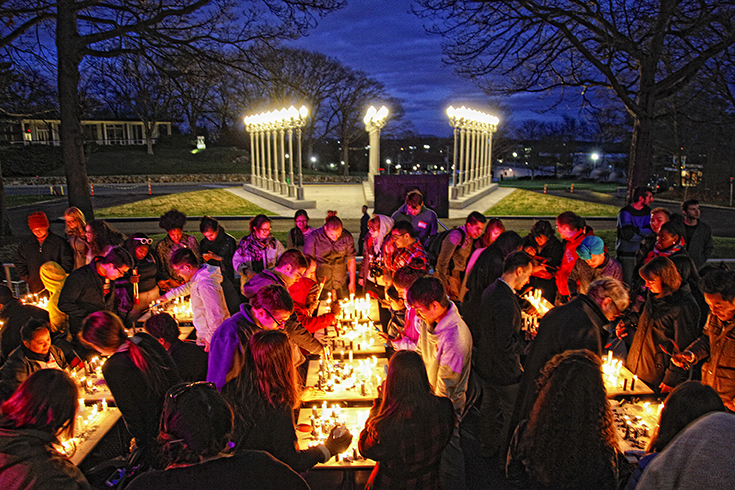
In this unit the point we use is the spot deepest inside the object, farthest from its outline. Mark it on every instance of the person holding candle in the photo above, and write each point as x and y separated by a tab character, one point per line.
34	353
144	273
543	245
569	440
203	283
264	396
13	315
669	319
408	428
195	432
138	372
40	412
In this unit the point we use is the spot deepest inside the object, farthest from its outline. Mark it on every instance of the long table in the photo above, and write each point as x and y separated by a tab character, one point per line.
353	418
368	371
635	423
89	431
622	384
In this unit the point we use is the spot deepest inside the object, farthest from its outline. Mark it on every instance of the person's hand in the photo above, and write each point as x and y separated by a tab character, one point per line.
683	359
207	256
665	388
360	282
530	251
335	308
389	247
339	440
620	330
163	286
206	346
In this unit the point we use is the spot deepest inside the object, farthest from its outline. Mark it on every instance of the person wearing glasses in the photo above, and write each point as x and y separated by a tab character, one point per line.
144	273
203	283
138	372
669	319
195	432
92	288
579	324
269	309
264	396
40	412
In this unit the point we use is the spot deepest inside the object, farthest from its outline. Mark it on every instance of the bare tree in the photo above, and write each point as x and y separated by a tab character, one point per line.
621	46
107	29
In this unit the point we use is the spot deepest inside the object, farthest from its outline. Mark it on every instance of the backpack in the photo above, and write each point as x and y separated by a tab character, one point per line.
433	245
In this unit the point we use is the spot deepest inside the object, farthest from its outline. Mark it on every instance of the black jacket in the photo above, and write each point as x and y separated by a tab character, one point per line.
22	363
139	402
190	359
30	257
13	316
83	294
500	340
224	246
578	324
666	324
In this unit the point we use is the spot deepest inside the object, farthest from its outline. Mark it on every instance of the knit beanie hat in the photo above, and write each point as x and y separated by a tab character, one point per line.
37	220
592	245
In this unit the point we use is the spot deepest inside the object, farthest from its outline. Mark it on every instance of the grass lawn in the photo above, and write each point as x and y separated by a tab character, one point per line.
217	202
526	203
552	184
11	201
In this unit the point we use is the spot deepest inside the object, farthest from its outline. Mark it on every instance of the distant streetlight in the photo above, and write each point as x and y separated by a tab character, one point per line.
374	121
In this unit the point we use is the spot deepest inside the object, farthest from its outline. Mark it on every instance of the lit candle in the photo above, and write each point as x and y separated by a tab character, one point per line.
350	354
609	357
81	405
104	404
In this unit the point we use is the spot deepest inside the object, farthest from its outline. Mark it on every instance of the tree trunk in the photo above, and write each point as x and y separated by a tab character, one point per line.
641	155
72	138
149	136
5	229
346	158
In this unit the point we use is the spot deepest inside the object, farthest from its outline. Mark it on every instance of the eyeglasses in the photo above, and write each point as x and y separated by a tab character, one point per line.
144	241
279	324
183	388
121	272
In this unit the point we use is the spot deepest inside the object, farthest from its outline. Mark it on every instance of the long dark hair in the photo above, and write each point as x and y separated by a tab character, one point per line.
46	401
267	381
571	412
103	235
689	401
196	423
104	330
407	393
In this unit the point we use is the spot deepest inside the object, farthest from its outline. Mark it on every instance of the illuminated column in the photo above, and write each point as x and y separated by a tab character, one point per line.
374	121
473	160
284	184
475	151
269	184
460	186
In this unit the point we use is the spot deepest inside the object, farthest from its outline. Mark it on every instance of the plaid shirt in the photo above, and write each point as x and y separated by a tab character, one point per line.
408	452
401	257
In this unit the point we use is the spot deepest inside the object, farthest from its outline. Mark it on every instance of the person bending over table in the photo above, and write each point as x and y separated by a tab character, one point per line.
195	431
264	396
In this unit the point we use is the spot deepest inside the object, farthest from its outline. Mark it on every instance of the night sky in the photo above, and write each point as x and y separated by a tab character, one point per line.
388	42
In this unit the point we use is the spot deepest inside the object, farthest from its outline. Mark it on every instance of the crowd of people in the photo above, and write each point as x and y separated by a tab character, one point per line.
220	410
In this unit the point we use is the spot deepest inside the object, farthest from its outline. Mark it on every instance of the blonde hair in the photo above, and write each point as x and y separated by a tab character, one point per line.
78	216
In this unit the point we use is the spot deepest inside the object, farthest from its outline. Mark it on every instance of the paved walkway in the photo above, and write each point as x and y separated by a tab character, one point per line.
348	200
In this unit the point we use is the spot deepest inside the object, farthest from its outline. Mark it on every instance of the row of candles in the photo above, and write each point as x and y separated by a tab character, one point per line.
179	308
323	422
87	420
611	371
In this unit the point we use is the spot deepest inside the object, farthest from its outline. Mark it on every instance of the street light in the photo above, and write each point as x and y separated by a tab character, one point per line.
374	121
475	130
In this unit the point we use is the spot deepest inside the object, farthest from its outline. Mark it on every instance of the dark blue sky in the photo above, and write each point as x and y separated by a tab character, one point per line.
386	40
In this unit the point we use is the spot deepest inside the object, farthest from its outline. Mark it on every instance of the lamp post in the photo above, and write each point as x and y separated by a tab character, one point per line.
474	124
274	126
374	121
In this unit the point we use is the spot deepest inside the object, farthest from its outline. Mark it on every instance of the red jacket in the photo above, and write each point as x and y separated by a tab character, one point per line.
569	258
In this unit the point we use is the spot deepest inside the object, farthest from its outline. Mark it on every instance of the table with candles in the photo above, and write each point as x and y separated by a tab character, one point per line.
315	423
619	381
635	424
92	423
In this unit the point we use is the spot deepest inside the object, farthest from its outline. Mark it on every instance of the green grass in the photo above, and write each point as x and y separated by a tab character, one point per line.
135	161
219	202
552	184
526	203
11	201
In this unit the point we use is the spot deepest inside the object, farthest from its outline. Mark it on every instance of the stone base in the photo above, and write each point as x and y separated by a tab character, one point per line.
368	193
289	202
469	197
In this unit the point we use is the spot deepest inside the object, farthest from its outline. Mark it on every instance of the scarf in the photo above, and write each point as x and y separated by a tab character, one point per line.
657	252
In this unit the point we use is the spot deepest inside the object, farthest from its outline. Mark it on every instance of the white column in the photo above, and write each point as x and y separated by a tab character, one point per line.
291	186
269	185
282	153
374	156
454	166
460	192
253	168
